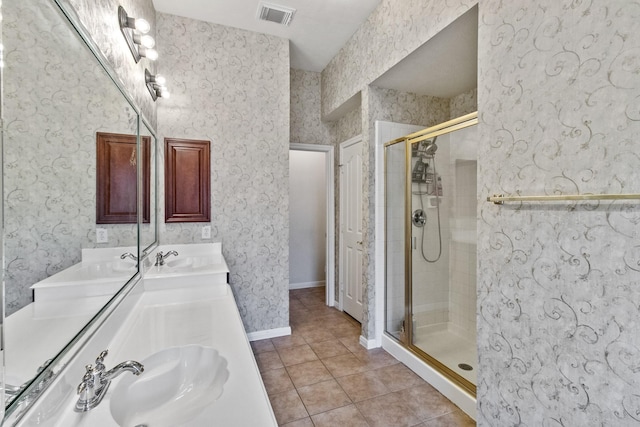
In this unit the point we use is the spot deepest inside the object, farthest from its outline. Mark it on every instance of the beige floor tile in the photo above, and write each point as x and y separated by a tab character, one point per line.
376	358
452	419
387	393
307	373
327	349
426	402
277	381
295	355
268	360
322	397
305	422
341	417
350	331
362	386
317	335
292	340
261	346
387	411
397	377
347	364
288	407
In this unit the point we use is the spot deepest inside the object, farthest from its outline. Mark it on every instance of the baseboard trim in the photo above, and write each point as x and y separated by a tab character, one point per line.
269	333
304	285
368	344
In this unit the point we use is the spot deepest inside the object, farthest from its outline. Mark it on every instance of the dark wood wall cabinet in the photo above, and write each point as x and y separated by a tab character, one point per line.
116	171
187	180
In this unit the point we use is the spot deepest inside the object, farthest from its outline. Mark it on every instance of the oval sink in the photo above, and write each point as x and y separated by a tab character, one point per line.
177	384
179	262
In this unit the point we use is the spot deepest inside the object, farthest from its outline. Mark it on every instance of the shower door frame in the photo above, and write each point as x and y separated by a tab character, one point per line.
428	133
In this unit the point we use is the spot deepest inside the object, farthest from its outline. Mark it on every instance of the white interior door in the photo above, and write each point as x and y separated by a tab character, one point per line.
351	226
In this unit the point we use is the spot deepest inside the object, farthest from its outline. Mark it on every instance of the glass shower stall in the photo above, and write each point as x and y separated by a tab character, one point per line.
430	254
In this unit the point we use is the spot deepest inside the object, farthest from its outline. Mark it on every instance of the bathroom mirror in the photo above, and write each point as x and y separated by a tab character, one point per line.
149	229
56	98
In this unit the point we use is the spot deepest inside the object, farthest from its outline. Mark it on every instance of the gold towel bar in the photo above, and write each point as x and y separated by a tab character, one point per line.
499	199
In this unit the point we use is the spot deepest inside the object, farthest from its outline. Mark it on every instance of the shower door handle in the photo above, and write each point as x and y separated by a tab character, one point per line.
414	243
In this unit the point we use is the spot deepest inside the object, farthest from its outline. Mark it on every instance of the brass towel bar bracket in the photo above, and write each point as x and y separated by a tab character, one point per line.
500	199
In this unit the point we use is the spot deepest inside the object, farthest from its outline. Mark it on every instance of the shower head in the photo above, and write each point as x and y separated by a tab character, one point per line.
431	147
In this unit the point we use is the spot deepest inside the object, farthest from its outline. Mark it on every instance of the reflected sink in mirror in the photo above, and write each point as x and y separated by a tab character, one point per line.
177	384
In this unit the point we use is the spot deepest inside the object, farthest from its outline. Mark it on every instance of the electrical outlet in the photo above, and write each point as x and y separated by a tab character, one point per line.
102	236
206	232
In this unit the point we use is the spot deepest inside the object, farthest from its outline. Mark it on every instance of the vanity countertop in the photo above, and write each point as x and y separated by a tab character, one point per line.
207	315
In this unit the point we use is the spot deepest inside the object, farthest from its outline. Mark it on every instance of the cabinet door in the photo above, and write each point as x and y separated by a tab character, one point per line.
116	171
187	180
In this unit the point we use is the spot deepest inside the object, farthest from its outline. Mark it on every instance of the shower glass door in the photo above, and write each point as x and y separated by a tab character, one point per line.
442	291
395	266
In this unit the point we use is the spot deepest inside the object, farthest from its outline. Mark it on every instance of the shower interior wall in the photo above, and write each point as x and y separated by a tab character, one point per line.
444	292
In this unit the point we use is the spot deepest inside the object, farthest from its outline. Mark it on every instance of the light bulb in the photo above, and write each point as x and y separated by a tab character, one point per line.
150	54
142	25
160	80
164	93
146	40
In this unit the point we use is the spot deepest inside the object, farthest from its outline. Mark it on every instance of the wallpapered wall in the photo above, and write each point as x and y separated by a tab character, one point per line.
558	284
394	29
464	103
306	126
52	112
231	87
100	17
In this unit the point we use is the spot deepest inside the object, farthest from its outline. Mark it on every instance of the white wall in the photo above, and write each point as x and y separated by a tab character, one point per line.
308	218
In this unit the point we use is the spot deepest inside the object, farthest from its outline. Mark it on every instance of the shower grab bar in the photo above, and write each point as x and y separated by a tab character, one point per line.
500	199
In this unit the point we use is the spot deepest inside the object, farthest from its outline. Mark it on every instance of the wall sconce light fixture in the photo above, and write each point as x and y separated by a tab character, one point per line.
135	34
156	84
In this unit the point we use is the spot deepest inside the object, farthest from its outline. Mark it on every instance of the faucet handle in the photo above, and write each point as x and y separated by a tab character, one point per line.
87	380
100	361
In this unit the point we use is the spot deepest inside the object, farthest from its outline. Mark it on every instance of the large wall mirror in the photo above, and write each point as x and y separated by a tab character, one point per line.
60	266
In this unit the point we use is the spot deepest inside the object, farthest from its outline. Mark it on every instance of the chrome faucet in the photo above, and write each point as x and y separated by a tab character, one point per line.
160	257
128	255
96	381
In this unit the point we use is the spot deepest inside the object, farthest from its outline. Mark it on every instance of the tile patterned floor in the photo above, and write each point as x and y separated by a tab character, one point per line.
321	376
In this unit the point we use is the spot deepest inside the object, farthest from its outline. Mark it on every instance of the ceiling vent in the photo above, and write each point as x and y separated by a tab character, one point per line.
275	13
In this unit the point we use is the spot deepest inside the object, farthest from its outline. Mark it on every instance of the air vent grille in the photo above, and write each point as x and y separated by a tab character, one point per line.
275	13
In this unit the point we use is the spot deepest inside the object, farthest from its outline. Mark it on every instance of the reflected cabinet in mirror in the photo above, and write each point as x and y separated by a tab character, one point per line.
61	263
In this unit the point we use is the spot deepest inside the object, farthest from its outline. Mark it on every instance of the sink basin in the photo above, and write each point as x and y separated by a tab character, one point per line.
179	262
177	384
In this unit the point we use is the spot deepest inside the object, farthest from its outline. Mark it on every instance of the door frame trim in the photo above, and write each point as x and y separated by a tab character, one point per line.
330	269
351	141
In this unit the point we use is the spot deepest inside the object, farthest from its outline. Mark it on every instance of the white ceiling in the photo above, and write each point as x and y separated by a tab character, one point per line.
317	32
445	66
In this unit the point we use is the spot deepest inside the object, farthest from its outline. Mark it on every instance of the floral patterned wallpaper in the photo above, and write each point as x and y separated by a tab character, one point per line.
51	114
347	126
100	17
394	29
558	283
464	103
306	126
231	87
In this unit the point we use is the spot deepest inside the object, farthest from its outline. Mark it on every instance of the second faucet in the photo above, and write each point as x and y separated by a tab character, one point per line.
160	257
